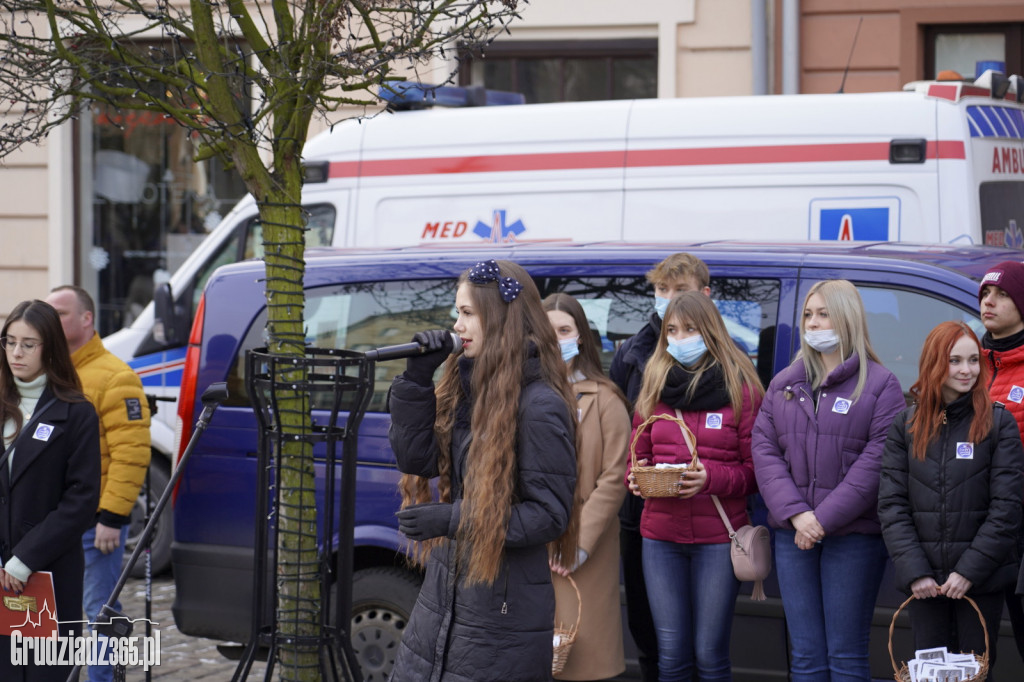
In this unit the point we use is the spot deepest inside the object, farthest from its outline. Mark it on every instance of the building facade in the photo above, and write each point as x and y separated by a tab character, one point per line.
114	201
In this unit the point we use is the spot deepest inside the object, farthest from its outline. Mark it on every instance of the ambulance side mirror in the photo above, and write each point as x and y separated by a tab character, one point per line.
170	328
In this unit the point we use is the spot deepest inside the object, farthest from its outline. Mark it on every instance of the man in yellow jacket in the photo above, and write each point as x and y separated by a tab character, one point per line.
115	390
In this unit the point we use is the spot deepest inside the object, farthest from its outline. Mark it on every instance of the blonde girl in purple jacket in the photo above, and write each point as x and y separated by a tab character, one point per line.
817	448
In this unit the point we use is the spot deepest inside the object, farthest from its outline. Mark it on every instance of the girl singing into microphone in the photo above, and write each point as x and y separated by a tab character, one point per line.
498	433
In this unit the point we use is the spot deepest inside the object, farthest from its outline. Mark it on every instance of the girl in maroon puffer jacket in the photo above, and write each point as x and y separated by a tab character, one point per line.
699	374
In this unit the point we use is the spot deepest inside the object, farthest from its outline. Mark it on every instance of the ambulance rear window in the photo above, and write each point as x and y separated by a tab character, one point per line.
1002	213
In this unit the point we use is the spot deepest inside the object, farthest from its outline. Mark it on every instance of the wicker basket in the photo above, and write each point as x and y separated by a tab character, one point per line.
566	635
902	674
654	482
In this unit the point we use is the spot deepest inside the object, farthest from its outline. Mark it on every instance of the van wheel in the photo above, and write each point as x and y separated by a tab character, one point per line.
382	601
160	547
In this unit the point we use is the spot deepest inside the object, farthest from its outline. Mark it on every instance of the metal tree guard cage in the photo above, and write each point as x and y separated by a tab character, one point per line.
337	385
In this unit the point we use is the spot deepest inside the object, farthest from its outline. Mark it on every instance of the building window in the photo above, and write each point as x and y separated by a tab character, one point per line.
960	48
152	203
566	71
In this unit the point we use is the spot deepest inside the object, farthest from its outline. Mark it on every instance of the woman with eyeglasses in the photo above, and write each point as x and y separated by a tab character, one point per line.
49	472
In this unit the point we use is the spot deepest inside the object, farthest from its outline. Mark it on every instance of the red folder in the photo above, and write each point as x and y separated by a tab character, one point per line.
33	612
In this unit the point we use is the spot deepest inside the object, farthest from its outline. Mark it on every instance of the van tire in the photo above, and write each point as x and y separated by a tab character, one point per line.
382	601
160	549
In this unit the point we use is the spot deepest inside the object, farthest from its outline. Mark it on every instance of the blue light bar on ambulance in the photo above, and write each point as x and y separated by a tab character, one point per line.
406	95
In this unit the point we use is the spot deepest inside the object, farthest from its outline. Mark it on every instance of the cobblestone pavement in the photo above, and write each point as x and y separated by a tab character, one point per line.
182	658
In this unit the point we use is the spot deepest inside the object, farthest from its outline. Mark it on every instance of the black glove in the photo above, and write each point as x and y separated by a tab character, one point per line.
438	345
424	521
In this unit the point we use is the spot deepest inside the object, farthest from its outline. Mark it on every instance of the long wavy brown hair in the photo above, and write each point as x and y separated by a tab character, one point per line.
61	377
511	331
738	370
933	370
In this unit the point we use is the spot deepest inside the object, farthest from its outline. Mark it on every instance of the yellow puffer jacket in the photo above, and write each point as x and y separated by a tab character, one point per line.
115	390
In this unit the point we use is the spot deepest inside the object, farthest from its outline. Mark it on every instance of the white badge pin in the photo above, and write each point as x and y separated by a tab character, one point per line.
841	406
965	450
1016	394
43	432
713	420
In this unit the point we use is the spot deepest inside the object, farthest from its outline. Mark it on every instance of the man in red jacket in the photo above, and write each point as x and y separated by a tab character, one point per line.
1002	299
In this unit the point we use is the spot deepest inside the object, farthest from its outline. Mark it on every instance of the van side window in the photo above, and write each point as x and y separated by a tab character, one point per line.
360	317
617	307
898	322
367	315
320	232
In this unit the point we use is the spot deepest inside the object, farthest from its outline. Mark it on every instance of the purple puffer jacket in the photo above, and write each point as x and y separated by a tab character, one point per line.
827	460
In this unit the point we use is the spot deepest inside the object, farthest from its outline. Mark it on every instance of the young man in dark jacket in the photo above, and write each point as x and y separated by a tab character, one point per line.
1001	298
678	273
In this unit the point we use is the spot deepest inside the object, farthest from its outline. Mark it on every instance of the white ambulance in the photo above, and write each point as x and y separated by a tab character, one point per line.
939	162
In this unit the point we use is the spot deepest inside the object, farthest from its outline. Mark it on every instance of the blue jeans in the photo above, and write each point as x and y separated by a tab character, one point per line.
828	594
101	574
692	592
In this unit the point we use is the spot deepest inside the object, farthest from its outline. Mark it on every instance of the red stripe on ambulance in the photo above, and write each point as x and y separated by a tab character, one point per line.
642	158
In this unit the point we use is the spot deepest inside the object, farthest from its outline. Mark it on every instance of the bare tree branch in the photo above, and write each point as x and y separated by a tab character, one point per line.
246	78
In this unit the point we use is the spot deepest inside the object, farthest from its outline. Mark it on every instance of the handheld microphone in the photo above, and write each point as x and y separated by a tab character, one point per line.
407	350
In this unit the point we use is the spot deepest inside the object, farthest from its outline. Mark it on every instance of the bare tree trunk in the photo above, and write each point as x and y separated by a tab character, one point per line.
298	607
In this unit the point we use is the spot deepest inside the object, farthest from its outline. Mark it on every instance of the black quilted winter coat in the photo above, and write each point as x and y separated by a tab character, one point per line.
488	632
959	509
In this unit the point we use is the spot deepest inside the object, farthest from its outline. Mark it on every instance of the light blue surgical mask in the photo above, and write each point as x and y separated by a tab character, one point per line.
822	340
570	348
688	351
661	305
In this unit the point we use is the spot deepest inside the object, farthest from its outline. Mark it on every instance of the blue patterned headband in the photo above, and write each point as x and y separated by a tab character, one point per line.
487	271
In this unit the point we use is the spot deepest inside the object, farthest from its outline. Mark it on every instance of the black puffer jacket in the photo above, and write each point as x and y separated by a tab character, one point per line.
627	368
960	508
501	631
627	371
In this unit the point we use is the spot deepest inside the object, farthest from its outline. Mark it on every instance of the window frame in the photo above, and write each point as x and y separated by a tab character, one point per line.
514	51
1013	35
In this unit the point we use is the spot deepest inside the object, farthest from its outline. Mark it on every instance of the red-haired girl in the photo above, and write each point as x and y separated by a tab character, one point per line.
950	496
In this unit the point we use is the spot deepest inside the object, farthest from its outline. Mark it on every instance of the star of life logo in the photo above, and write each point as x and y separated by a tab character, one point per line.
36	641
499	231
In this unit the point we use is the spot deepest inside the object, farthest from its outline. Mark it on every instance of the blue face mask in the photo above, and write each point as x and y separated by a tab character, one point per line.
570	348
688	351
660	306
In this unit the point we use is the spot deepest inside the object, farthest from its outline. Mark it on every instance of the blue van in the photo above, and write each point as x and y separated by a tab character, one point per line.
362	299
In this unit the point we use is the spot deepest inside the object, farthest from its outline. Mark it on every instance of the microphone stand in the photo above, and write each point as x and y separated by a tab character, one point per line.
118	624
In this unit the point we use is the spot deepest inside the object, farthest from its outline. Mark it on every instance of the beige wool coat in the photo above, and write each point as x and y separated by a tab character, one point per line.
597	652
